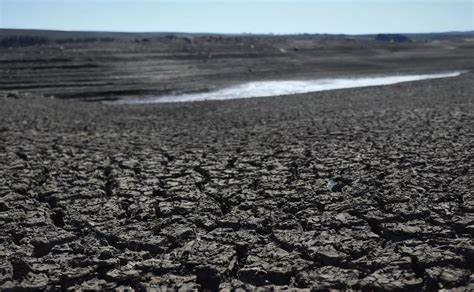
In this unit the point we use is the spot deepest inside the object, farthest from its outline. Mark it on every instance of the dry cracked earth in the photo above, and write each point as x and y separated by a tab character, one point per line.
368	189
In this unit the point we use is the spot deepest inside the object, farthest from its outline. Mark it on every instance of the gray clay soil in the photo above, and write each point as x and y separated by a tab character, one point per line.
368	188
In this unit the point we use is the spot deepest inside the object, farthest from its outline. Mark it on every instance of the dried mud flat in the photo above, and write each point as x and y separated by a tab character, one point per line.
367	189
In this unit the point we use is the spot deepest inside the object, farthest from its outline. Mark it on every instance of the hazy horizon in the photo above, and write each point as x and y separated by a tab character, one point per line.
217	33
238	17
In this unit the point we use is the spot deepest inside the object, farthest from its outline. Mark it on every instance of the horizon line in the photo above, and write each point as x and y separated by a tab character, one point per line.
229	33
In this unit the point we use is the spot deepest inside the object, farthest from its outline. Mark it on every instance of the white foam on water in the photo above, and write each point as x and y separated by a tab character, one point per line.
287	87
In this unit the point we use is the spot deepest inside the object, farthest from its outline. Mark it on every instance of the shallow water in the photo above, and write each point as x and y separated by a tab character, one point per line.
287	87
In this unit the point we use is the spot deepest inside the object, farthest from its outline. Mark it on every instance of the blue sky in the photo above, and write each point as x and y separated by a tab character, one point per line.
241	16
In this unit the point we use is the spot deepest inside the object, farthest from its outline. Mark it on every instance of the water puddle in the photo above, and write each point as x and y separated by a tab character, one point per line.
287	87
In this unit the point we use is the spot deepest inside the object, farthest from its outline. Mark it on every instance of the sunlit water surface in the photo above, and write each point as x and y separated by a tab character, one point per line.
287	87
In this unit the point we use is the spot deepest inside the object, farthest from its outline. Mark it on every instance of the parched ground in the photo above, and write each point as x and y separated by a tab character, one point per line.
367	188
163	66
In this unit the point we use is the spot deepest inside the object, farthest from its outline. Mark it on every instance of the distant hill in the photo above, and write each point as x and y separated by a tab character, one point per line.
440	35
392	38
62	34
26	37
424	36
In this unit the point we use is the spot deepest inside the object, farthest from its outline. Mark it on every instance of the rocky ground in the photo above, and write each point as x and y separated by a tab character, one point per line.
368	188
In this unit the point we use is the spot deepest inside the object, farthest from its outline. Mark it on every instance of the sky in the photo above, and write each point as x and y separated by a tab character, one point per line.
241	16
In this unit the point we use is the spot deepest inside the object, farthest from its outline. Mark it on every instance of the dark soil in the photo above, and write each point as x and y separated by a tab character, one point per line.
112	70
368	188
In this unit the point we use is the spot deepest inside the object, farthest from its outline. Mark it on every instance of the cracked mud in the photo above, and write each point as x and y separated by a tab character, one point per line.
367	189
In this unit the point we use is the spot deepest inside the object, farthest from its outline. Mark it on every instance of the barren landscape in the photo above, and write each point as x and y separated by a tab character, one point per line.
366	189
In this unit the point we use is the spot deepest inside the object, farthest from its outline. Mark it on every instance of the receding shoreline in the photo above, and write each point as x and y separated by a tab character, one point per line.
287	87
173	66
